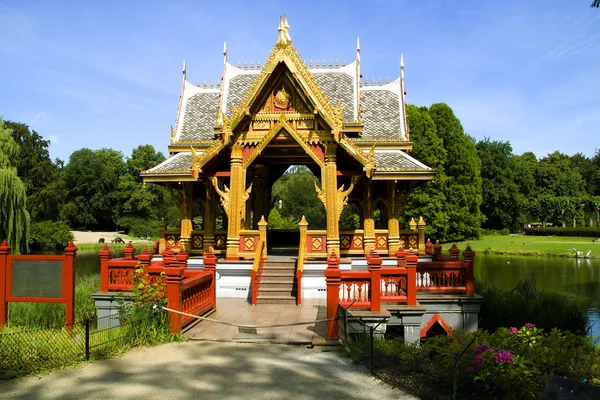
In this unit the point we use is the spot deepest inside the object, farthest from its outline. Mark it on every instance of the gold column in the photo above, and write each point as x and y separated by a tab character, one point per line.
421	227
185	238
329	183
369	222
210	208
393	224
237	182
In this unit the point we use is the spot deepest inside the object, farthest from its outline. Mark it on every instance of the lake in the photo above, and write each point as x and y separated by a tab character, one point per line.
579	278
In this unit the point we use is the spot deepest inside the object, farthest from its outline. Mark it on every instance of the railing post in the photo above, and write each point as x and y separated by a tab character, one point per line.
374	262
104	254
68	283
303	224
161	236
411	281
429	247
454	252
129	251
333	278
469	255
174	275
4	252
210	265
400	256
262	233
182	257
145	258
437	249
421	227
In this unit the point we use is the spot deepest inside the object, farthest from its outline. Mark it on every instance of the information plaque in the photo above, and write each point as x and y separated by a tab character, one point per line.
37	278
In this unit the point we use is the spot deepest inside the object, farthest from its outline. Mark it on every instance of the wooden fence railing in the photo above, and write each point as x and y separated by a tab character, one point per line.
399	284
190	291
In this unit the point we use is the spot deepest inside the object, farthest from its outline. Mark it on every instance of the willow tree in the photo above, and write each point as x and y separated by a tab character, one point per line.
14	218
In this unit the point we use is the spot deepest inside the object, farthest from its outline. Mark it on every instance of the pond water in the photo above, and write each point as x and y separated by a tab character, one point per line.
575	277
579	278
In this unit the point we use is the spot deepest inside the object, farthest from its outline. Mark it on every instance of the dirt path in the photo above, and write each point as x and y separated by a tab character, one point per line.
207	370
92	237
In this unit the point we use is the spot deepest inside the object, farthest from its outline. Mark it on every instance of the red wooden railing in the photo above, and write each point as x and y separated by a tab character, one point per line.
399	284
189	291
257	268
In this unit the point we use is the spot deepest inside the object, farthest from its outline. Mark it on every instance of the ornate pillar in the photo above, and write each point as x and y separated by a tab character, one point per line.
369	222
329	183
393	224
186	202
210	211
237	182
421	227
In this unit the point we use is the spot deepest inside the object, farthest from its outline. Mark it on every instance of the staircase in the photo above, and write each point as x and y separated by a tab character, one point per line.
278	282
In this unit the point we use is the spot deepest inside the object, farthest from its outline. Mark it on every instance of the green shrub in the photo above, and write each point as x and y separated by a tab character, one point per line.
515	307
49	235
567	231
139	227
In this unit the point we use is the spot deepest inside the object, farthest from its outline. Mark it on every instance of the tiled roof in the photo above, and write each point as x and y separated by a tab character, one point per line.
179	164
397	160
338	86
238	86
200	116
381	114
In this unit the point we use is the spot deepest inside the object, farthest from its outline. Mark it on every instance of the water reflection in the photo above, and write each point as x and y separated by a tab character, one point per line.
578	278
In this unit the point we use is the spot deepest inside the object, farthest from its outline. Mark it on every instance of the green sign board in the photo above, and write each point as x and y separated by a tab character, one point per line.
37	278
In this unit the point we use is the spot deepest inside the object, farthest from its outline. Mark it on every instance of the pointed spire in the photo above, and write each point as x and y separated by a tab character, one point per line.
224	52
282	37
402	66
287	28
358	49
184	70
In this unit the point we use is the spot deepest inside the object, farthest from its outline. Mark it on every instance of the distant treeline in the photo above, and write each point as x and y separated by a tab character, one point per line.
479	184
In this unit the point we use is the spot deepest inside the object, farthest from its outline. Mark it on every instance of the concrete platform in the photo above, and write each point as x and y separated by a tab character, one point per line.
240	312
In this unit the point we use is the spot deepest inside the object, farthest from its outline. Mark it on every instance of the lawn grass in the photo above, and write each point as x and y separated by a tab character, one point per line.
114	246
561	246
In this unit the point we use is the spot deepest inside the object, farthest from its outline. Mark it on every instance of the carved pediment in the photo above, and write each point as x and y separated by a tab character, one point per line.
283	98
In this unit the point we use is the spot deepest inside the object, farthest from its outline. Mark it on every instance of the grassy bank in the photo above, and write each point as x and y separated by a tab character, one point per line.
561	246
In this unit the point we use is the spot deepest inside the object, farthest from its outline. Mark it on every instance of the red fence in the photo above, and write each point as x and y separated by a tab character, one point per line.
189	291
399	284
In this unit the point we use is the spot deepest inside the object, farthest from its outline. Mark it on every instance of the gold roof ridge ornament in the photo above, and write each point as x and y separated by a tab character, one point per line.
283	37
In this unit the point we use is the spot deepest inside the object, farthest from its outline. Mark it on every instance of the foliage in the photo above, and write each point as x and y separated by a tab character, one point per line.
91	178
510	363
148	324
295	191
567	231
48	315
525	304
49	235
532	245
14	217
36	170
143	158
276	221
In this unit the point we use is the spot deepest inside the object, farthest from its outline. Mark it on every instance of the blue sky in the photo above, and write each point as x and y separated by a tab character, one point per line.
108	73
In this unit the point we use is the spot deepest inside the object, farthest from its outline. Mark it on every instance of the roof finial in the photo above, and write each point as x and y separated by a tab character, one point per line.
358	49
224	52
402	65
184	70
281	39
287	28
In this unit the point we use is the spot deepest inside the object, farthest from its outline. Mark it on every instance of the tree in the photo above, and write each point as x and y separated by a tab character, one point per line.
143	158
427	201
36	170
502	200
14	218
555	175
295	191
91	179
463	171
595	3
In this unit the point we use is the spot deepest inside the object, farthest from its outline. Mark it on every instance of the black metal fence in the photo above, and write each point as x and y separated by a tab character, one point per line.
419	370
24	351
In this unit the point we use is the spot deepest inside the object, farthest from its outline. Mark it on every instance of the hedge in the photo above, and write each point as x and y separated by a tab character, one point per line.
567	231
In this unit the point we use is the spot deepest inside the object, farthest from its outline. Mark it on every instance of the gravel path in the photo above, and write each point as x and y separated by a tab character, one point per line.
92	237
209	370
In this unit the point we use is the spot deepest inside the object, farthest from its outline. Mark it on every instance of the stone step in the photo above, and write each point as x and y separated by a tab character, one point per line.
276	285
279	264
278	272
278	279
276	299
276	292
